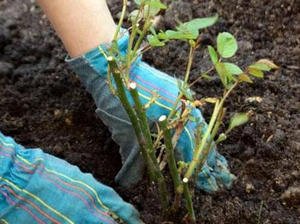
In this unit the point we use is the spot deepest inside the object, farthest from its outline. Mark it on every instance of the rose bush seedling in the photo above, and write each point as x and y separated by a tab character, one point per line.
230	74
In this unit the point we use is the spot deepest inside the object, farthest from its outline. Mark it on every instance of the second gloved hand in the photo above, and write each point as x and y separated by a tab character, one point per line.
36	187
92	69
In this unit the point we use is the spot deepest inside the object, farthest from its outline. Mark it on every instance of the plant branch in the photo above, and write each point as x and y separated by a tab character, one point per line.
188	201
218	123
195	162
170	153
132	37
202	152
132	116
186	78
124	8
189	65
142	118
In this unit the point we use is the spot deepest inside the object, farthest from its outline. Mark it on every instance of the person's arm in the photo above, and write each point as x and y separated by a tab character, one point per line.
81	24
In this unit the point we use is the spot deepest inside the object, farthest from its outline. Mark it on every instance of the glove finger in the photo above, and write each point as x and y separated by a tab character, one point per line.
123	133
222	173
206	180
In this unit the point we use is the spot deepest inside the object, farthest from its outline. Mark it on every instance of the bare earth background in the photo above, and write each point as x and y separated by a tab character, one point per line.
42	104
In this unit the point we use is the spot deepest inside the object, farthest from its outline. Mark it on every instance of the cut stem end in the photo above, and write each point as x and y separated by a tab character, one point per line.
185	180
162	118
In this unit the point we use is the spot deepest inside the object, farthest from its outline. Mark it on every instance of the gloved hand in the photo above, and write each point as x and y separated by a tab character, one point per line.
38	188
92	69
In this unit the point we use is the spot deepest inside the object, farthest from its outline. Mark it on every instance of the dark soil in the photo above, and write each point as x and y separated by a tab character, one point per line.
42	104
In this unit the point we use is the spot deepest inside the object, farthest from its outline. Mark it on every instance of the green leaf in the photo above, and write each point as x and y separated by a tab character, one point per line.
193	26
188	30
221	72
260	66
162	35
226	45
269	63
232	68
154	41
237	120
132	16
178	35
255	72
156	4
196	24
244	78
152	30
224	75
213	54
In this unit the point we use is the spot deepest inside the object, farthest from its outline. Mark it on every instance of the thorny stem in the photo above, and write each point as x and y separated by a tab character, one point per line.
218	123
195	162
142	35
132	116
140	112
142	118
202	151
145	28
183	119
140	124
133	52
179	187
188	201
139	119
132	37
186	78
121	20
170	153
189	65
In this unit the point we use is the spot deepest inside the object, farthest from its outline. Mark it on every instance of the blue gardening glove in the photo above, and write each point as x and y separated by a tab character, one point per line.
39	188
92	69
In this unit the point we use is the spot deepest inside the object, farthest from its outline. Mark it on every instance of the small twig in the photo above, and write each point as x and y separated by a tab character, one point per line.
200	77
259	212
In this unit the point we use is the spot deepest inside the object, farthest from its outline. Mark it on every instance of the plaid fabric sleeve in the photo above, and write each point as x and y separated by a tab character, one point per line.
36	187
